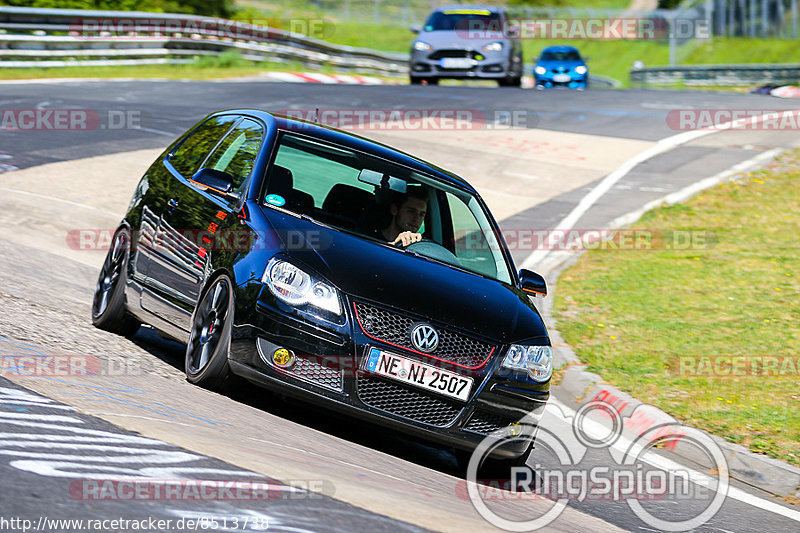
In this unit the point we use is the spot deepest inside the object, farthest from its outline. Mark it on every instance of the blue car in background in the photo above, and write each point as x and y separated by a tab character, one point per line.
561	66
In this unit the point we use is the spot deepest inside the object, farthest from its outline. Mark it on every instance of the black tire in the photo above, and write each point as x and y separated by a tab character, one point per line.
514	81
414	80
206	361
108	303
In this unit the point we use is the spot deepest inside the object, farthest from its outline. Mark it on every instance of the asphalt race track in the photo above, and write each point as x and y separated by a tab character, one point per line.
322	472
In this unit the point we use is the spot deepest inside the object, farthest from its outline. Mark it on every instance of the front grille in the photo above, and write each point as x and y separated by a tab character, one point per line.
394	328
316	373
485	422
402	401
439	54
470	69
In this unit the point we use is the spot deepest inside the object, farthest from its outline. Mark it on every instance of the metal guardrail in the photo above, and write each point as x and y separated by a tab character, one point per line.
603	82
722	75
157	37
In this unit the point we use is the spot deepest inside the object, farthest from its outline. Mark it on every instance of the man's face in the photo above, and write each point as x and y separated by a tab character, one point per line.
410	215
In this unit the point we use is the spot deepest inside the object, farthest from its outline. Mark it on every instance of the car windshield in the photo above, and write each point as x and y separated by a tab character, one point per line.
463	19
366	196
570	55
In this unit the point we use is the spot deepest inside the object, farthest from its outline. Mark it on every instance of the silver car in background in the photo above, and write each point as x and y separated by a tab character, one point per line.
466	42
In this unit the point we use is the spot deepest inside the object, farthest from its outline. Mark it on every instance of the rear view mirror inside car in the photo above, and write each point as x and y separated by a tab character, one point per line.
381	180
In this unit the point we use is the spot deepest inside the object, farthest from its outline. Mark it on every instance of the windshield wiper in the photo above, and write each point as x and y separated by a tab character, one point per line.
435	259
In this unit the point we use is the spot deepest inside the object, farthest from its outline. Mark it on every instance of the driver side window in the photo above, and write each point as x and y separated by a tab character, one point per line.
237	152
187	157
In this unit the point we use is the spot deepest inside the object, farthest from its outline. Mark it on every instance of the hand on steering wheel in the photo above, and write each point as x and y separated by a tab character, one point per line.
407	237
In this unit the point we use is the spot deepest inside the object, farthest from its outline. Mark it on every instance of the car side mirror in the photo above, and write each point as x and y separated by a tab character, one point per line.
513	31
414	28
532	283
217	180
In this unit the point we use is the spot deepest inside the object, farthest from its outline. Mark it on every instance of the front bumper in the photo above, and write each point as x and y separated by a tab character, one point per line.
492	66
329	372
574	81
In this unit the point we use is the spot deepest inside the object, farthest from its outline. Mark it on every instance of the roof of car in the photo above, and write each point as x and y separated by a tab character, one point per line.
356	142
493	9
560	48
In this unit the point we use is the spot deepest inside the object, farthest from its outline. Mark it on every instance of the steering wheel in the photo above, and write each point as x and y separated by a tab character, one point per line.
435	250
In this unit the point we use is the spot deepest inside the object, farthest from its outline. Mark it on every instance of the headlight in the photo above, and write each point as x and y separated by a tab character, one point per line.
296	287
580	69
540	70
537	361
420	46
496	46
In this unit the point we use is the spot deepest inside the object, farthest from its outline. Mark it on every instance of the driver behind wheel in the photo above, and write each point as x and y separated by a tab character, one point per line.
408	213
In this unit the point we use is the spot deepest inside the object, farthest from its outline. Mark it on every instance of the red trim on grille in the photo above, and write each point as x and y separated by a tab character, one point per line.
355	310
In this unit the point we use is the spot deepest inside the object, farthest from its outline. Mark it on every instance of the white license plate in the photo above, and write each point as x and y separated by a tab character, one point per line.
418	374
456	62
561	78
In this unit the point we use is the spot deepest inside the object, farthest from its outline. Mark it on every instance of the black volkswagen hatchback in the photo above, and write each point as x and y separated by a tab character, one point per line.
256	240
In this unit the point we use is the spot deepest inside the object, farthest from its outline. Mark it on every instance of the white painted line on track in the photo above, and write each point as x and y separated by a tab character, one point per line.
605	185
506	194
159	132
690	190
58	200
551	261
357	466
599	431
586	203
532	177
56	81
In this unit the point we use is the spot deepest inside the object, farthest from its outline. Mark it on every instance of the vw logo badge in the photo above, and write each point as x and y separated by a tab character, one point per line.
424	338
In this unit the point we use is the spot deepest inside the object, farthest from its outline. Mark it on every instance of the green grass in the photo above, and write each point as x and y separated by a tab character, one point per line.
607	58
379	37
226	65
631	315
739	50
170	72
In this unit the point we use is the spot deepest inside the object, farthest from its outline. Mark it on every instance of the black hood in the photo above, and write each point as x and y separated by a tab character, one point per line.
390	277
